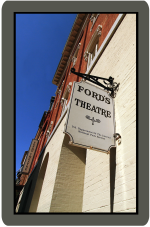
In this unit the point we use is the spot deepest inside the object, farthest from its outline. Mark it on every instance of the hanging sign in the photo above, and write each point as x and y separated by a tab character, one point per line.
90	121
29	159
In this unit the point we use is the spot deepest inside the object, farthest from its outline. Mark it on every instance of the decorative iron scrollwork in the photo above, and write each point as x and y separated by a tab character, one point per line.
112	87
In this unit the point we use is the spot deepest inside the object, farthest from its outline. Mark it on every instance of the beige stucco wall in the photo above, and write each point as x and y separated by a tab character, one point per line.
54	150
68	190
60	183
119	61
96	185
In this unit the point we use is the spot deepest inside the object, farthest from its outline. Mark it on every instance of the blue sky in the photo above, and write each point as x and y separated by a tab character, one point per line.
40	40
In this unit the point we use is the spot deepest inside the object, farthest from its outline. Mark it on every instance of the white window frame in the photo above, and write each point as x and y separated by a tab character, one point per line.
93	19
64	99
92	46
74	58
58	91
49	129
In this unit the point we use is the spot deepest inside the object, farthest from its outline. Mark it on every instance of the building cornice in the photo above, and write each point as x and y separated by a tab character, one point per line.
68	50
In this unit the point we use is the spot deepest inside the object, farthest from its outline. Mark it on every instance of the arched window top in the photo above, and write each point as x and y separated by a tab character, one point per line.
74	58
93	19
92	47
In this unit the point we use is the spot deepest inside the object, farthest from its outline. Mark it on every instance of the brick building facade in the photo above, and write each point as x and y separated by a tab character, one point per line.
41	135
65	178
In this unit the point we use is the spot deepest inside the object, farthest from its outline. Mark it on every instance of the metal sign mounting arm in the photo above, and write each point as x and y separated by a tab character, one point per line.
111	86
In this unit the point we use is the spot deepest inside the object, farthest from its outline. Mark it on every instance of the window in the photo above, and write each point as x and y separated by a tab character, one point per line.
51	102
92	52
74	58
49	129
64	104
92	48
59	93
93	19
65	97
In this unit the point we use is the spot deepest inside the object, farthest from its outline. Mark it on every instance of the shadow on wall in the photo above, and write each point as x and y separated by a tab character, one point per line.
69	183
74	149
25	203
112	177
39	183
29	189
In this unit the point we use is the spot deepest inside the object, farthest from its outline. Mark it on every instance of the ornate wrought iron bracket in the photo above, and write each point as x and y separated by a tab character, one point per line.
117	136
111	87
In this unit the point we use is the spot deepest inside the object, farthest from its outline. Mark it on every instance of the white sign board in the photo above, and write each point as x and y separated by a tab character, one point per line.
90	121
